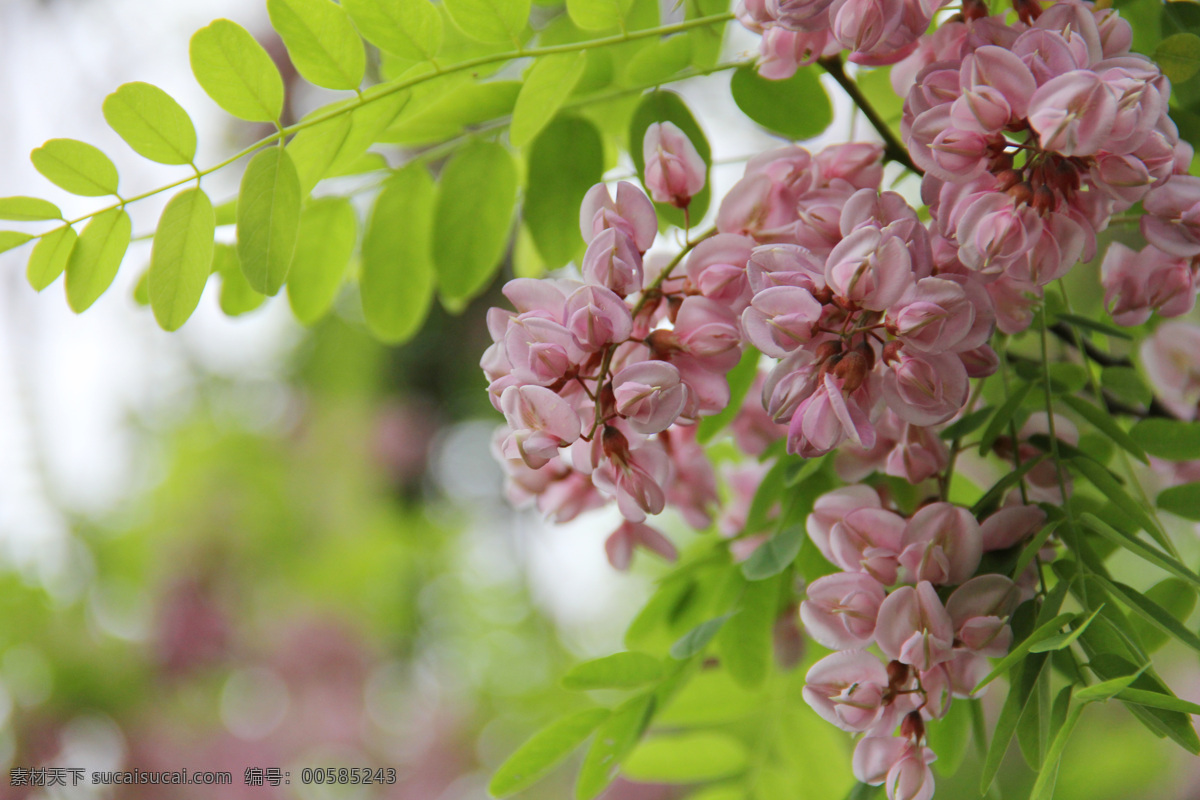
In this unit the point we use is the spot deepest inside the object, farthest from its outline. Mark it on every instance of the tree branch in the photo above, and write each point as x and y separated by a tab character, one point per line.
893	148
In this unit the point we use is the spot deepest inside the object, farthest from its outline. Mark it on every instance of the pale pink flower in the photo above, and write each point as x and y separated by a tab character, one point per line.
597	317
926	389
868	540
832	507
1011	525
980	610
942	544
650	395
1138	284
1171	357
675	173
541	422
911	778
914	628
780	319
1073	113
847	689
841	609
632	213
717	267
613	261
629	536
1172	219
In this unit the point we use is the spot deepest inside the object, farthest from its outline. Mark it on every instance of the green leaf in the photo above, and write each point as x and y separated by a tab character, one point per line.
152	123
268	219
547	85
1025	679
1140	549
397	279
949	735
50	256
695	757
76	166
544	750
774	104
236	72
1043	787
182	256
321	40
1152	612
1111	488
410	29
617	671
473	219
1183	501
96	257
141	290
1042	632
13	239
745	641
1031	548
1126	384
237	297
598	15
664	106
28	209
986	504
659	60
328	231
1004	415
613	742
1104	423
1163	722
740	379
1177	599
1179	56
490	21
1102	691
967	424
565	160
452	113
697	638
1173	440
1166	702
1061	641
330	147
1095	325
775	554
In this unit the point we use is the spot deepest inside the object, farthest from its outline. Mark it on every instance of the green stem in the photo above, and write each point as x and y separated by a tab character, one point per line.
399	85
893	148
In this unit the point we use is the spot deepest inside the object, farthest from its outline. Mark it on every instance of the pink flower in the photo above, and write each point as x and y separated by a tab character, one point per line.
632	214
918	456
597	317
832	507
541	422
874	757
1172	219
650	395
1010	526
870	268
868	540
780	319
827	417
630	535
635	477
994	232
914	628
692	490
612	261
1073	113
847	689
1137	284
936	318
841	609
707	329
1172	360
540	350
926	389
717	267
942	544
675	173
910	778
980	610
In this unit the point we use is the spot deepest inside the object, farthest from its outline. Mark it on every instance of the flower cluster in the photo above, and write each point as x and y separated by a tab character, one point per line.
886	595
1032	136
601	380
840	283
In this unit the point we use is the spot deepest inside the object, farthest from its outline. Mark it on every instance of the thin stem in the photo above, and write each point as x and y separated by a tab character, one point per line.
387	89
893	148
955	446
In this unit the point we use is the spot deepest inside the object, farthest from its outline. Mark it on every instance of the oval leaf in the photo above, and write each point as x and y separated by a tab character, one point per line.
96	257
618	671
398	279
1179	56
321	41
774	555
76	166
544	750
268	219
152	123
697	638
491	21
11	239
236	296
1183	501
773	104
473	219
1173	440
182	256
598	15
547	85
28	209
687	758
564	162
328	230
236	72
50	256
614	741
410	29
1104	423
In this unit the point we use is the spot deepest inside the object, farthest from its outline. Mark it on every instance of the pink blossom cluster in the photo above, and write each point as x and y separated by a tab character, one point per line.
602	378
1032	135
798	32
876	339
887	595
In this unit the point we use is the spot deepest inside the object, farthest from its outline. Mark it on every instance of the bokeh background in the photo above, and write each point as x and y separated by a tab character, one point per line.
249	544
